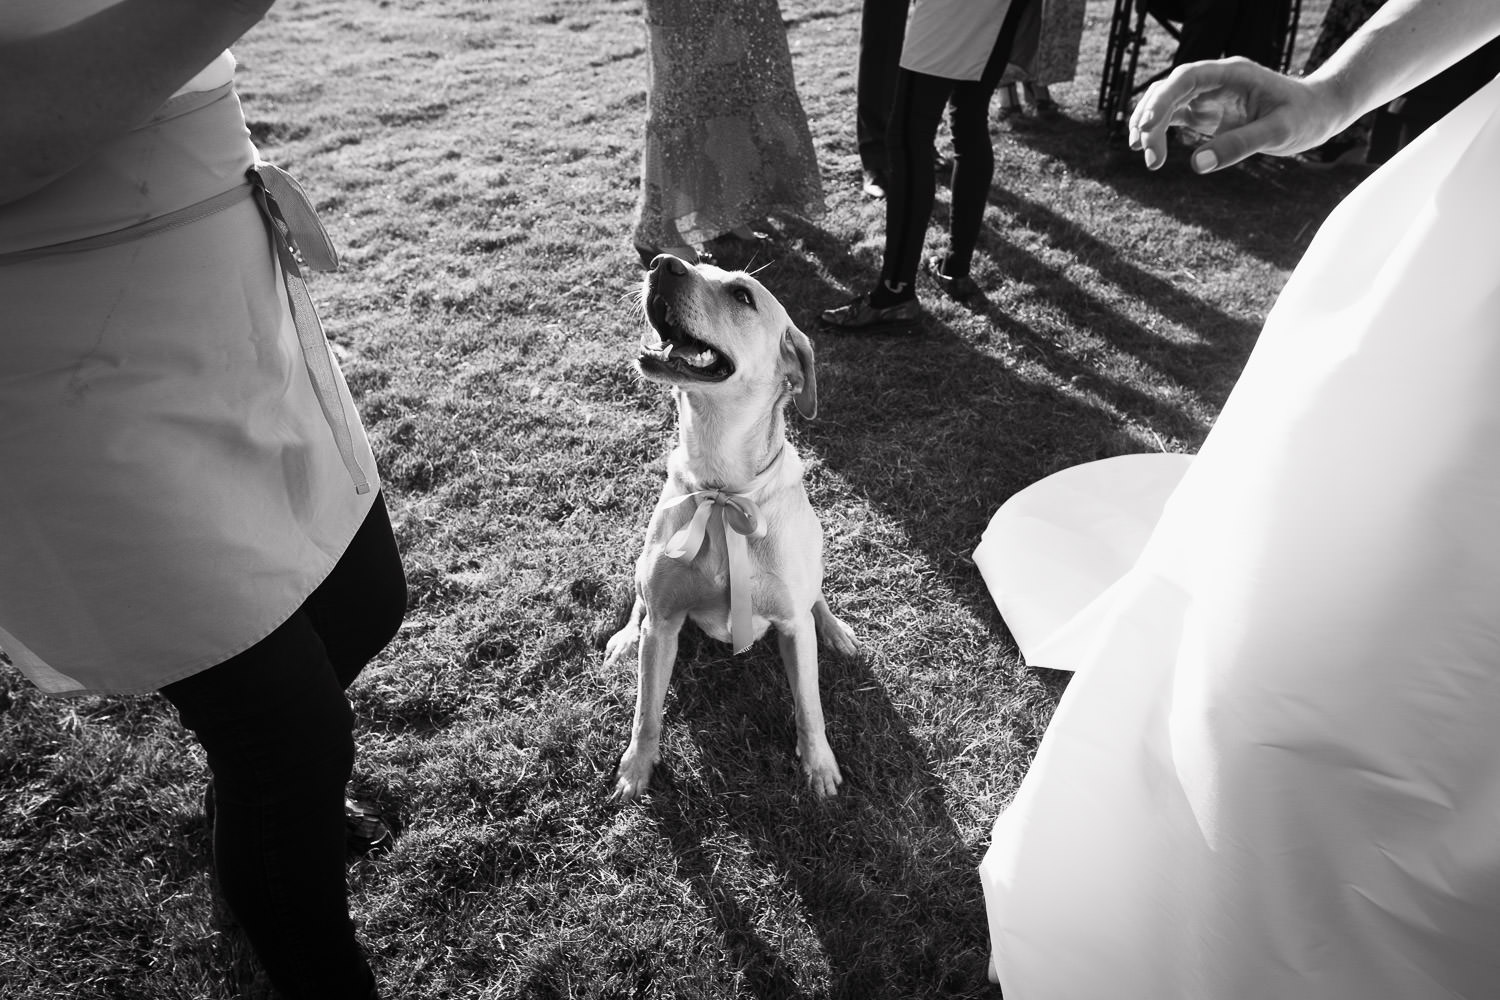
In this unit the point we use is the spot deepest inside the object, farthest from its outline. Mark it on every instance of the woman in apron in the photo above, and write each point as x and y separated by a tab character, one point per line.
189	502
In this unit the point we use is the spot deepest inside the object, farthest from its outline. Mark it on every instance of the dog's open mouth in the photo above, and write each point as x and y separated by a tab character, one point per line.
678	351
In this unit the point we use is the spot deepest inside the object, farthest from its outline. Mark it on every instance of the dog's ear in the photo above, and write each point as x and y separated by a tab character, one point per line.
797	366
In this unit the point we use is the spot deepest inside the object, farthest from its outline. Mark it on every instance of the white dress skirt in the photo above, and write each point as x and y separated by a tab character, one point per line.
171	486
1276	773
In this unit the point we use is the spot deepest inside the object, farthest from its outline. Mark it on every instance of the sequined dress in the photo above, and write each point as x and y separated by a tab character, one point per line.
726	141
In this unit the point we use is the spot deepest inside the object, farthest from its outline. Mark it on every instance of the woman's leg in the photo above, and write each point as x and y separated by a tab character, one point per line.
973	170
973	153
915	116
278	732
280	743
882	28
359	606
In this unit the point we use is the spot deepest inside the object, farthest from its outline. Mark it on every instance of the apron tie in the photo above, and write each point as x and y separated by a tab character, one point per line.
302	242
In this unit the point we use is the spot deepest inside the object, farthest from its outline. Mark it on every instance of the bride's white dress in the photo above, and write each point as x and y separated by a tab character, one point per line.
1276	774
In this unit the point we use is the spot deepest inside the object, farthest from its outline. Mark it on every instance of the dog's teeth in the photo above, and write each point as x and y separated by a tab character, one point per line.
702	359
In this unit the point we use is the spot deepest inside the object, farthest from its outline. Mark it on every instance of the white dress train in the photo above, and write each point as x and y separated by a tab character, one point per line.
1276	775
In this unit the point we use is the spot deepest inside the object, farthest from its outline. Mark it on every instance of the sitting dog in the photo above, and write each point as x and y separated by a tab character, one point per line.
734	544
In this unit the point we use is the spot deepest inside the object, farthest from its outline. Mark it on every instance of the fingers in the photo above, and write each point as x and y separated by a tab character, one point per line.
1166	103
1147	131
1228	148
1212	97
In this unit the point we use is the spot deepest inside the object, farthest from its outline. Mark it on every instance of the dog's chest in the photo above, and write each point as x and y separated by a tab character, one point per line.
713	612
715	624
701	587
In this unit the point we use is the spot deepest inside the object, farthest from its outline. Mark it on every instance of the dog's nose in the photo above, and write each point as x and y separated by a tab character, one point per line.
673	265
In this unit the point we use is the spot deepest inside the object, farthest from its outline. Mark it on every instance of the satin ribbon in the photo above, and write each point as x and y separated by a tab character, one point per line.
302	242
738	519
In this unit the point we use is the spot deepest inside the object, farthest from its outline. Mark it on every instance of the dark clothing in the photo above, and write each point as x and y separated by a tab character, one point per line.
278	732
918	111
882	30
1212	29
1408	116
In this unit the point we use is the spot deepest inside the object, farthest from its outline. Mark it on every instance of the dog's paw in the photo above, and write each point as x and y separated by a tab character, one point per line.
822	770
634	774
621	645
629	790
838	636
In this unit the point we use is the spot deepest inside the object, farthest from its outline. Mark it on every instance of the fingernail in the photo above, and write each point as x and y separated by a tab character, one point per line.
1152	159
1204	160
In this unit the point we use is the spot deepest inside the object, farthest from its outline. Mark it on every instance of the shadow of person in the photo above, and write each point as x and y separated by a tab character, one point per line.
1177	342
1215	203
936	431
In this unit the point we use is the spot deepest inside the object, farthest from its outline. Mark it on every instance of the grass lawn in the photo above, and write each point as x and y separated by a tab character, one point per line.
476	161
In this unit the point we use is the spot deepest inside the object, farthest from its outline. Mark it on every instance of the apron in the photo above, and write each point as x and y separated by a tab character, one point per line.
180	462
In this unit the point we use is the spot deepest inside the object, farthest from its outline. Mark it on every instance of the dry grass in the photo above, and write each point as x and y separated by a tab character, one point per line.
476	161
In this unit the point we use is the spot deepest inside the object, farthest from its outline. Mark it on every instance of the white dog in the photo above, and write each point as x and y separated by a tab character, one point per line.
734	543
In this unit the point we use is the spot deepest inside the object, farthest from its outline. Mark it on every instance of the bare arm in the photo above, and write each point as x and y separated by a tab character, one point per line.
1250	109
70	90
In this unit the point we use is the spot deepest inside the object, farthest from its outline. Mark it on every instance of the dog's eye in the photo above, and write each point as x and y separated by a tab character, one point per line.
743	296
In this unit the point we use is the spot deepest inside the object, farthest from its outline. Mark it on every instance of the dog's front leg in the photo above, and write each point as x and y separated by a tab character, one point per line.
833	630
629	636
799	654
657	653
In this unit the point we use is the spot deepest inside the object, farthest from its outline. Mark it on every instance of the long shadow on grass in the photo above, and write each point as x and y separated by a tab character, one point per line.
937	431
885	899
1270	207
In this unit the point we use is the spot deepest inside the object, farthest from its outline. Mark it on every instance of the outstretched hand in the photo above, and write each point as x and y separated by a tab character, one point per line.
1244	106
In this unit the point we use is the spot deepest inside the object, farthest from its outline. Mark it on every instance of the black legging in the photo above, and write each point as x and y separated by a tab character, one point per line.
915	117
882	28
278	732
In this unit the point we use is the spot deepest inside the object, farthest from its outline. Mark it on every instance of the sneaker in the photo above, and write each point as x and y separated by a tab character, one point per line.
858	316
960	288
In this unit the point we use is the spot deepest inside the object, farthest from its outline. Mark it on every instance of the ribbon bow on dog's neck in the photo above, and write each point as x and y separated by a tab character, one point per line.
738	519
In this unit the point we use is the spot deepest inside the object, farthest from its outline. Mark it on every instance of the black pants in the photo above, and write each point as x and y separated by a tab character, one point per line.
915	117
1215	28
278	732
882	29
